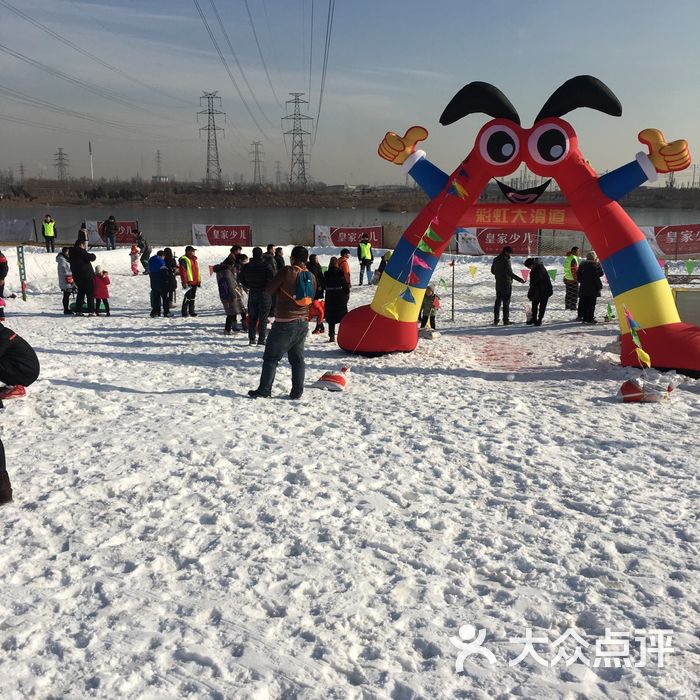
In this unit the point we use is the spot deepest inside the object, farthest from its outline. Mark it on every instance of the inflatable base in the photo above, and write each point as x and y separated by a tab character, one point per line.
674	346
365	332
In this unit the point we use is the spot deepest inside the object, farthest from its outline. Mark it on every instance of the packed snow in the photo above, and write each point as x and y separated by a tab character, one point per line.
172	538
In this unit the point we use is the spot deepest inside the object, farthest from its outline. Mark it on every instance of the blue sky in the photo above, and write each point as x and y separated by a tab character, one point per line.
390	65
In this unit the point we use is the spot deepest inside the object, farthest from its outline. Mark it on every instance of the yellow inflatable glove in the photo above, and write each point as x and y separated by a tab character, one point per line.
665	157
396	149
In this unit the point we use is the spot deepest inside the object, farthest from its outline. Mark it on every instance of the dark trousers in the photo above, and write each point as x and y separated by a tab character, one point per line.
86	290
366	266
331	330
231	321
503	295
2	288
111	242
49	243
429	320
571	295
287	337
538	309
586	308
101	301
66	300
258	311
188	301
160	297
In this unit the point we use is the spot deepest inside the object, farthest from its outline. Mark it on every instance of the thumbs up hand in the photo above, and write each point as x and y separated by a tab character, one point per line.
396	149
665	157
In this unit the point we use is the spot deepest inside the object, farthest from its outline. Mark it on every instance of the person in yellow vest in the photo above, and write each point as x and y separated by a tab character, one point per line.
364	255
189	274
48	229
570	279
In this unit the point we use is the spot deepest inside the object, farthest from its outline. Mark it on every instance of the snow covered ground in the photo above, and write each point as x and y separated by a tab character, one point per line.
173	538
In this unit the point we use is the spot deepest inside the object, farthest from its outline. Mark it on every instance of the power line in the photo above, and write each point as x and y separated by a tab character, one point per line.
238	63
101	92
228	70
91	56
311	47
255	34
329	29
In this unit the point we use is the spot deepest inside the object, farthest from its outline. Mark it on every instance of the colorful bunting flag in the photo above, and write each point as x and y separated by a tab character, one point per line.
392	309
457	190
432	235
662	263
643	357
442	283
552	274
424	247
419	262
690	266
472	271
408	296
412	279
611	313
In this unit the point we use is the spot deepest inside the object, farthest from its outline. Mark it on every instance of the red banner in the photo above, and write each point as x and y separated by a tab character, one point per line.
228	235
492	240
342	236
512	216
125	235
679	239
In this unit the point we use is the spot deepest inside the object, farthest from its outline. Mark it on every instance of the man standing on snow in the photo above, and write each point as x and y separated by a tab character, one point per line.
288	334
48	230
83	276
571	262
503	272
364	255
189	274
111	229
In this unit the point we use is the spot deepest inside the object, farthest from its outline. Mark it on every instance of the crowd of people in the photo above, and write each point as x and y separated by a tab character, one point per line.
582	282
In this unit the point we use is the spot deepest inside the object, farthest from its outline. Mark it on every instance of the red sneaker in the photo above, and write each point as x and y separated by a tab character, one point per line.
12	392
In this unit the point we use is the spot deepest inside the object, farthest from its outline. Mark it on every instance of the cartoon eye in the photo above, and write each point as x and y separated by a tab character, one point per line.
499	144
548	144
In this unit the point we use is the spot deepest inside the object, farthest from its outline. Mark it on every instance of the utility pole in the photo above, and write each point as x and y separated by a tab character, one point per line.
213	178
92	172
61	164
257	162
297	175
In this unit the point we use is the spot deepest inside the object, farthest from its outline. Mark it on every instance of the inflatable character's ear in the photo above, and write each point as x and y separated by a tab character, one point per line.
481	98
581	91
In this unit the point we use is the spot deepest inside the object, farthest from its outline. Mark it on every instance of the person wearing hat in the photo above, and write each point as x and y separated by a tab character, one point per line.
189	274
48	230
111	228
101	289
589	275
366	258
84	277
158	272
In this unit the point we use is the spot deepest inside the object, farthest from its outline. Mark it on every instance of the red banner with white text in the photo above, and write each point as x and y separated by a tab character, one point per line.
125	235
222	234
679	240
490	241
343	236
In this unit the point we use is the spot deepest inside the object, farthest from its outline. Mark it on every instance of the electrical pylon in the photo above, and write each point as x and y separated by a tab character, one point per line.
257	162
159	169
297	174
61	164
213	178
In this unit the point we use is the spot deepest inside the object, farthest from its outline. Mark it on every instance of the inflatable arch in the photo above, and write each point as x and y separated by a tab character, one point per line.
549	149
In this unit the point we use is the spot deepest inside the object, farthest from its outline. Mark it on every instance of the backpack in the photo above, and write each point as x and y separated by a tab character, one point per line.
304	292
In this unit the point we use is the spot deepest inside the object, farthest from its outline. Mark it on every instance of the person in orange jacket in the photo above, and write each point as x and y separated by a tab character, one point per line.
344	265
189	274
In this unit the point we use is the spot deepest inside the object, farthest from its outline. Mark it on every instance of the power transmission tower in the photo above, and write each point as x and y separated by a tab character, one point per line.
21	172
278	173
213	168
257	162
159	170
297	175
61	164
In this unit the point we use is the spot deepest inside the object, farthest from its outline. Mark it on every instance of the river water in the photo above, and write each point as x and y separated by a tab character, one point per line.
166	225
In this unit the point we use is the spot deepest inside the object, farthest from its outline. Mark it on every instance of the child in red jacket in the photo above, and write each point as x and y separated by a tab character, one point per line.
134	257
101	289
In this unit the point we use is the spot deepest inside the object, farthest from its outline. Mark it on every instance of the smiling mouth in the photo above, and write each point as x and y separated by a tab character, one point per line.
528	196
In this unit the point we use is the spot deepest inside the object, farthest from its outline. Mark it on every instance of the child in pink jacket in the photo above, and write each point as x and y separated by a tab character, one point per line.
101	289
134	257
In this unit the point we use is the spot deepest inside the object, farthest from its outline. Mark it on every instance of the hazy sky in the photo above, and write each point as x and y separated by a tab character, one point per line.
390	65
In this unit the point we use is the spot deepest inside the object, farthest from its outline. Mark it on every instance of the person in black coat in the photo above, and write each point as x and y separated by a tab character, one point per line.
19	367
173	274
503	272
540	289
314	267
83	276
589	275
254	277
4	269
337	296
